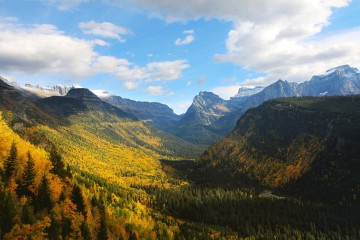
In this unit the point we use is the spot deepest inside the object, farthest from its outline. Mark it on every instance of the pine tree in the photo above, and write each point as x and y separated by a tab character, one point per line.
28	178
9	163
78	199
102	233
85	231
57	162
43	199
27	216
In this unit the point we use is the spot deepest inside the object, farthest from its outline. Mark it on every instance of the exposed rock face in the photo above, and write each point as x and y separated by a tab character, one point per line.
57	90
206	108
245	91
342	80
276	90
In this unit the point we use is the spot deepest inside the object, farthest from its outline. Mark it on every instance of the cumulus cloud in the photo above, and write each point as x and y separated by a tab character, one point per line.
167	70
44	49
131	85
104	29
280	38
189	38
155	90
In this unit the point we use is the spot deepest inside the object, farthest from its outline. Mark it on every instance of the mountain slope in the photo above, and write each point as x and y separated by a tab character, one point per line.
157	114
287	141
94	136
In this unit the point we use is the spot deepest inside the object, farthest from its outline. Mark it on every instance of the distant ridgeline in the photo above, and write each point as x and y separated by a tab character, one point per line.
210	117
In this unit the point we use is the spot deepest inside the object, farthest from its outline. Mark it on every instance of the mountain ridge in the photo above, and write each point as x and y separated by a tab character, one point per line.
291	143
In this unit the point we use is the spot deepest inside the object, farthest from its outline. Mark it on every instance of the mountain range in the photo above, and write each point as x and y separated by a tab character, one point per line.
210	117
217	117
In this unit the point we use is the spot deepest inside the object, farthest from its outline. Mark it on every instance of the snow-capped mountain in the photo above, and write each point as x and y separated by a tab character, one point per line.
342	80
47	91
245	91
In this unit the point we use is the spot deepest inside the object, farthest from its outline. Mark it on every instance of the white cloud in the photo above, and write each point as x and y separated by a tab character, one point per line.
226	92
66	5
278	37
104	29
131	85
155	90
168	70
189	32
188	39
44	49
189	83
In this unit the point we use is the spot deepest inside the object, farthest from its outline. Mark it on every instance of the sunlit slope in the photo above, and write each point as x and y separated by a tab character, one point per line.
94	136
101	139
8	136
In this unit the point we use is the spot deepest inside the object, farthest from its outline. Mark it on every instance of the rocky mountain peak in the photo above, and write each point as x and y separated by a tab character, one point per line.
82	93
343	69
206	98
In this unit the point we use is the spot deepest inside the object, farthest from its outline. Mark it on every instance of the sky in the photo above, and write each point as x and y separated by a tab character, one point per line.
167	51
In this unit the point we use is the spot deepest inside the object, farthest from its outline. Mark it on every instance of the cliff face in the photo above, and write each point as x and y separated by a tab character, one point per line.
206	108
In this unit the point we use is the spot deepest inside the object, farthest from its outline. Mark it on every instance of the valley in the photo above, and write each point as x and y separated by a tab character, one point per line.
275	162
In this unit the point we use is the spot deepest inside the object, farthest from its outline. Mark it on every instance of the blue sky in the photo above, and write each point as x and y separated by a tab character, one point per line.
164	51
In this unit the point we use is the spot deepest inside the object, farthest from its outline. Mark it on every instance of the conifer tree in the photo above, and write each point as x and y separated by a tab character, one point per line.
27	215
85	231
28	178
43	199
9	163
102	233
57	162
78	199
